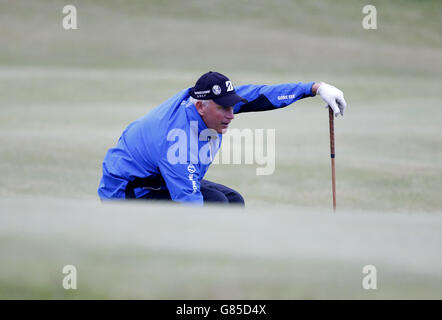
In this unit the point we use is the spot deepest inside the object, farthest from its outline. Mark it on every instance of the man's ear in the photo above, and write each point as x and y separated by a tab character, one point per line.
200	108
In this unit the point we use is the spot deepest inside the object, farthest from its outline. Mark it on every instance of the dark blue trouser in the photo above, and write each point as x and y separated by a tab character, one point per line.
212	193
215	192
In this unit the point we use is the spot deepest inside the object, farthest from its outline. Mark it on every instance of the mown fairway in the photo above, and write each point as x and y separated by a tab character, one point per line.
66	96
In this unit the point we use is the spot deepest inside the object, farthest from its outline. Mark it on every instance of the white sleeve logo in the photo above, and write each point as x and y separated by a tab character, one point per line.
229	86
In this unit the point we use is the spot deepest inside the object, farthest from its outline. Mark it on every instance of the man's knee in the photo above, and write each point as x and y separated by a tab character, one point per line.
221	193
214	196
236	198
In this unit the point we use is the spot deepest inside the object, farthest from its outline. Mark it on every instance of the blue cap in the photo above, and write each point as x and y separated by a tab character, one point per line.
217	87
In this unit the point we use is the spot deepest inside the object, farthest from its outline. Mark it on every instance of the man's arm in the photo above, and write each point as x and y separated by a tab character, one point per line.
264	97
269	97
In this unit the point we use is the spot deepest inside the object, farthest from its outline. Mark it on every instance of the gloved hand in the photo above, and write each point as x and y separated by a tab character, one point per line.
333	97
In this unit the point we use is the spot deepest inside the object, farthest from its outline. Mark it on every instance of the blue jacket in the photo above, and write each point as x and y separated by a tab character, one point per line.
171	141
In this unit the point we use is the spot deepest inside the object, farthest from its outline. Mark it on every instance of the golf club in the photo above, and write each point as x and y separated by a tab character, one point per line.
332	154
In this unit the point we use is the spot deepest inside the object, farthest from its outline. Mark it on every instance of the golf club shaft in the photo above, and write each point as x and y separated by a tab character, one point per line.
332	154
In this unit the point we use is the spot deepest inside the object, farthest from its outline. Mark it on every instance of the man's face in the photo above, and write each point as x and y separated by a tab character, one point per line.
215	117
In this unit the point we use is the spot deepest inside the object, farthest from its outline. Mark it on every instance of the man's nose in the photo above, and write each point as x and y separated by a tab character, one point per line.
229	113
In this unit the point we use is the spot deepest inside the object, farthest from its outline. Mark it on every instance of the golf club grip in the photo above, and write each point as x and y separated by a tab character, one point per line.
332	132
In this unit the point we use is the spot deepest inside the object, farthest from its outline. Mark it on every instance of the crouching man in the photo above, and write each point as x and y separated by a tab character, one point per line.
165	154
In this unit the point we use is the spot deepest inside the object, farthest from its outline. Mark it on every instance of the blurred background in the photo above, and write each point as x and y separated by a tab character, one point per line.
66	96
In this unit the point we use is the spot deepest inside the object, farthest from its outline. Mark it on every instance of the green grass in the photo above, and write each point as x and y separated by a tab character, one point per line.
156	252
387	149
262	36
66	96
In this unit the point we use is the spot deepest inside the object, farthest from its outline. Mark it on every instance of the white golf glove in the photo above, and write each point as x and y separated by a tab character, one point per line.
333	97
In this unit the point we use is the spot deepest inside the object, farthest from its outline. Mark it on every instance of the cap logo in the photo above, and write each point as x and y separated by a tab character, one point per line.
216	89
229	86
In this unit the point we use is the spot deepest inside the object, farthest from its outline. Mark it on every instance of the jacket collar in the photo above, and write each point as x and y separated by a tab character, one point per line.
193	115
